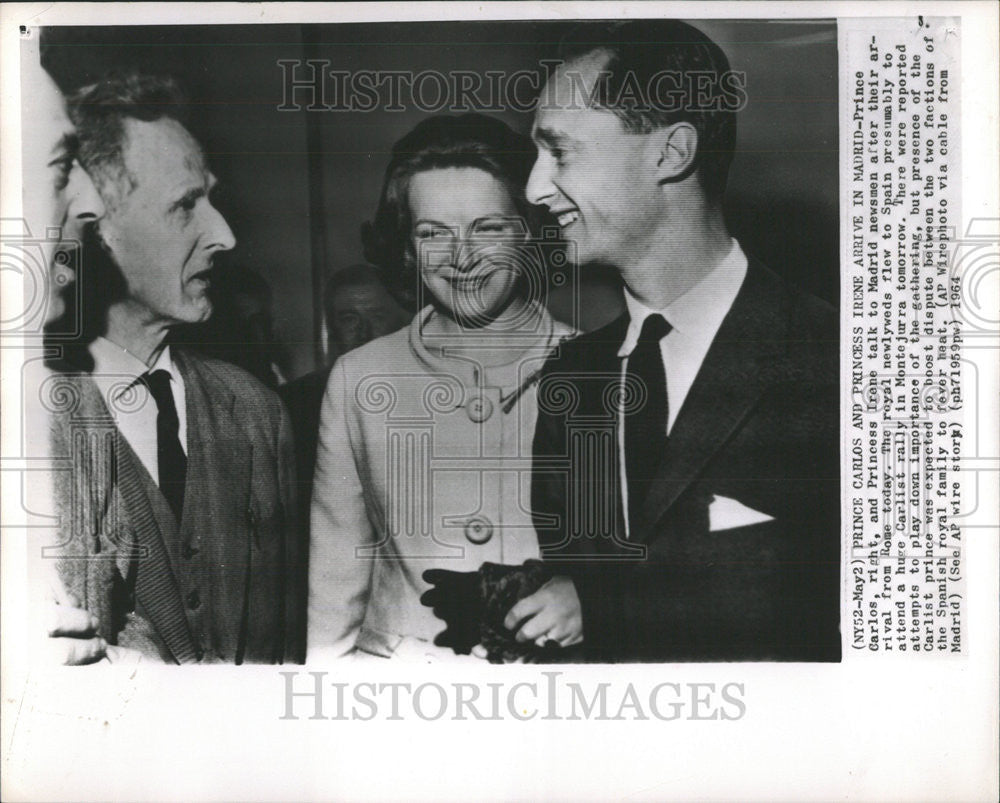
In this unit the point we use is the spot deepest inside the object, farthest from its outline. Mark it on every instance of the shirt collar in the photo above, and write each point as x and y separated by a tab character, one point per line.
112	362
700	310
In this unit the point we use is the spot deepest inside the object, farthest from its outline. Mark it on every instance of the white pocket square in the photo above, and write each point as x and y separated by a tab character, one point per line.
725	514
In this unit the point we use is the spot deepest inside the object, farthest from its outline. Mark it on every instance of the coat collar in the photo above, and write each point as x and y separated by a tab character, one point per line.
207	385
528	350
219	459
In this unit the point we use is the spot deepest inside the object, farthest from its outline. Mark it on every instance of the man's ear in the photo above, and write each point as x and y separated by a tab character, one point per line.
677	147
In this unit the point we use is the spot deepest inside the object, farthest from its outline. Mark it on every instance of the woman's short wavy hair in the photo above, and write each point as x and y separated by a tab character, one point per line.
443	141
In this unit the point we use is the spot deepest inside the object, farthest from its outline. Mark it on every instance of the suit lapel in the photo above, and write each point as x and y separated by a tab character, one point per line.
157	589
219	460
597	373
218	501
738	367
607	354
111	501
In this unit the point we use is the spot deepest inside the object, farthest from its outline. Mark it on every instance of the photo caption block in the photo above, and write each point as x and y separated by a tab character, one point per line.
905	578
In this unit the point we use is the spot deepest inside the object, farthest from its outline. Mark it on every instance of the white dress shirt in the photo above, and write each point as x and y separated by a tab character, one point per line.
133	407
695	319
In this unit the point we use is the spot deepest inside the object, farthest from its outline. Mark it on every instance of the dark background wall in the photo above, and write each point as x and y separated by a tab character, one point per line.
782	202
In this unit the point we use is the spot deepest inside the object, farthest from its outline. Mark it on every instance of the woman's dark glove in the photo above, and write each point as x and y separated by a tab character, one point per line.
457	600
473	606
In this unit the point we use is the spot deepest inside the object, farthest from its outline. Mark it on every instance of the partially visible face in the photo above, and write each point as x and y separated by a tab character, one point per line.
59	197
466	233
164	232
360	313
596	177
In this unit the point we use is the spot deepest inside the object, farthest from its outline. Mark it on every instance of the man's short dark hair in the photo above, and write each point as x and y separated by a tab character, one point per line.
99	111
640	50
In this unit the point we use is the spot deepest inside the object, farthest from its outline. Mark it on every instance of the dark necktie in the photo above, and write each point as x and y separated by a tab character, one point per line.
646	428
170	458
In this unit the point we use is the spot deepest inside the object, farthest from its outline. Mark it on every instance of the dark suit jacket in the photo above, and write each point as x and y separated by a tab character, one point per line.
760	426
303	398
239	508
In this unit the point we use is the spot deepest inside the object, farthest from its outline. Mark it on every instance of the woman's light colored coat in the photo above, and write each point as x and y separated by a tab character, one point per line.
423	461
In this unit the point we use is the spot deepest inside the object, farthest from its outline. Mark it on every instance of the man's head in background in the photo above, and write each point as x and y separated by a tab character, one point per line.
160	227
59	196
358	307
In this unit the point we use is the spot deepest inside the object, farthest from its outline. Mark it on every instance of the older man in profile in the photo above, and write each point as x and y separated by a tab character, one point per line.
179	510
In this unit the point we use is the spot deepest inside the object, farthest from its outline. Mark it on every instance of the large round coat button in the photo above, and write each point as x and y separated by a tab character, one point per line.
479	530
479	409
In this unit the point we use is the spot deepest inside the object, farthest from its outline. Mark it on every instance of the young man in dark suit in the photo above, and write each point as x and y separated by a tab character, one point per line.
686	482
177	512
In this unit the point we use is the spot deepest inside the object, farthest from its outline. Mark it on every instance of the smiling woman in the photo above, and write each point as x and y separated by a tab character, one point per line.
464	255
424	434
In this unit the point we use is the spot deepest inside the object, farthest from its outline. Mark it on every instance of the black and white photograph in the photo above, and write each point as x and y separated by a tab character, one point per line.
369	370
